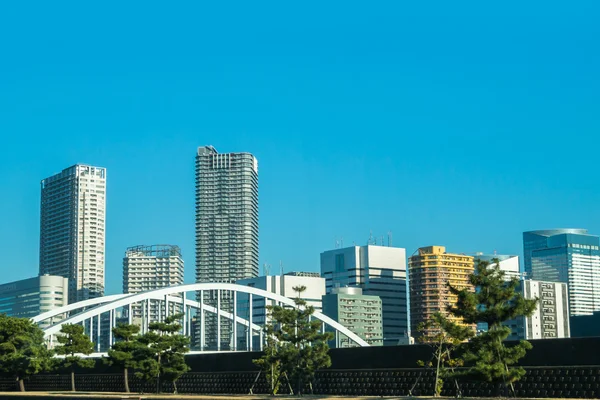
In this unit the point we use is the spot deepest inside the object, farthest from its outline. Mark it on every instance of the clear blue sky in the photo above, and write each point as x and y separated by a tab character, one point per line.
454	125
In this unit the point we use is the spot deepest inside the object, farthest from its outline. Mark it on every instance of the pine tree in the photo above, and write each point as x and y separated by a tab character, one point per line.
295	347
161	354
122	352
73	342
494	301
443	336
22	349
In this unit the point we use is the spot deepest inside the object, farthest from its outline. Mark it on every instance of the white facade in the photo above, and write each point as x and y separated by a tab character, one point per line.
149	268
509	264
550	319
29	297
282	285
379	271
72	229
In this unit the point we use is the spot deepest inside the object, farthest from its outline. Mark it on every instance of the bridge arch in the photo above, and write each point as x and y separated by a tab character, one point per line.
109	304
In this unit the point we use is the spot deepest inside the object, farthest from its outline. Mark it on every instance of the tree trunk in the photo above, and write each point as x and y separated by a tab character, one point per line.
126	377
21	384
72	380
158	376
174	387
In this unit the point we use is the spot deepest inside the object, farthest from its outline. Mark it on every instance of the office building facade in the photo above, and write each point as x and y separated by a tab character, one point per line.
279	284
226	225
30	297
72	229
378	271
551	317
148	268
360	313
431	270
571	256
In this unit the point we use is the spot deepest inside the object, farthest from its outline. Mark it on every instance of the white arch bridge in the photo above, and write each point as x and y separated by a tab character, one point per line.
210	324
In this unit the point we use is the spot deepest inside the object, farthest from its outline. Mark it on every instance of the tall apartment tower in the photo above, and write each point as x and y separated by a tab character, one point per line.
378	271
571	256
430	270
226	224
72	229
149	268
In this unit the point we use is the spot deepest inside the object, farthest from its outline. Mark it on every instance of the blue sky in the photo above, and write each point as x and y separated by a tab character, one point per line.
459	125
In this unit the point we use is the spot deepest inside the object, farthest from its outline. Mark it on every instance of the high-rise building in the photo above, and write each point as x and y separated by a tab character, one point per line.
30	297
430	272
226	225
507	263
571	256
378	271
358	312
279	284
551	317
72	229
149	268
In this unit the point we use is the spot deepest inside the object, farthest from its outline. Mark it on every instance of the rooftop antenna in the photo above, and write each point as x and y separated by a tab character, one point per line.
382	241
266	269
341	243
389	238
370	237
281	267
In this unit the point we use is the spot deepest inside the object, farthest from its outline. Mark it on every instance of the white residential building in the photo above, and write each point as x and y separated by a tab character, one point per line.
378	271
72	229
226	227
550	319
148	268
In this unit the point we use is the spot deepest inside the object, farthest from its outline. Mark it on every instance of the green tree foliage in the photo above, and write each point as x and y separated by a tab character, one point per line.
22	349
295	347
494	301
123	351
72	343
443	336
160	354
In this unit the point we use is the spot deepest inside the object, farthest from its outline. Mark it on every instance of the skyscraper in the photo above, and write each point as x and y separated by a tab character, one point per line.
430	272
378	271
72	229
571	256
149	268
226	223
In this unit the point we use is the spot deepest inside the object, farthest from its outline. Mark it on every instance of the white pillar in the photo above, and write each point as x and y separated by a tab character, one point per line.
261	339
218	320
166	305
249	322
98	332
110	327
147	315
184	310
234	320
202	320
129	314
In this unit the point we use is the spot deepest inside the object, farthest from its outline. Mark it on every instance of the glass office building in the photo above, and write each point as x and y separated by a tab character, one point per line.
30	297
571	256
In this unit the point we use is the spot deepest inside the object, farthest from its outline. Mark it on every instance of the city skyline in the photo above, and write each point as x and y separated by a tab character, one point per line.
449	124
338	242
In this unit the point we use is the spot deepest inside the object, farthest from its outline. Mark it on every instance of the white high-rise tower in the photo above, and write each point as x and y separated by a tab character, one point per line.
72	229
